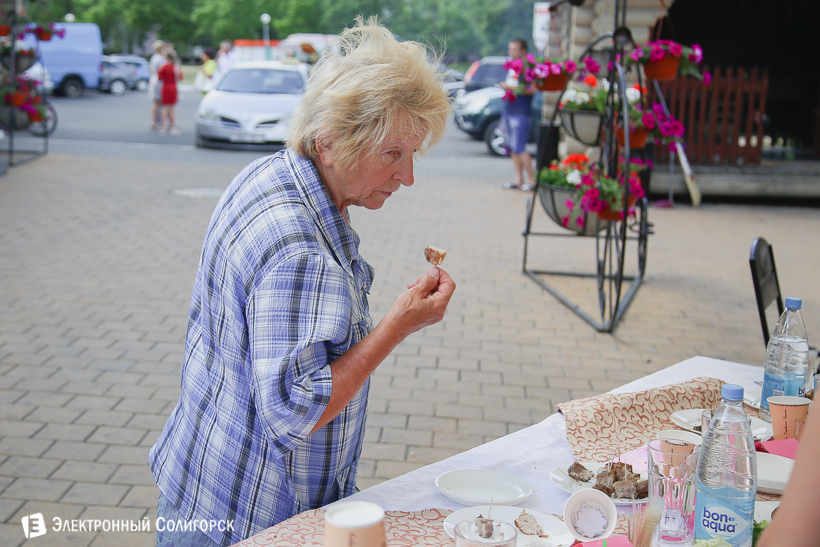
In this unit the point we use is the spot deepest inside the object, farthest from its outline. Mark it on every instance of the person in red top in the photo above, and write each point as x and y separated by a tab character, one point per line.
169	74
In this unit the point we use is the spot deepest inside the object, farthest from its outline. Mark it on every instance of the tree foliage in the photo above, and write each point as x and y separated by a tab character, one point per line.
462	28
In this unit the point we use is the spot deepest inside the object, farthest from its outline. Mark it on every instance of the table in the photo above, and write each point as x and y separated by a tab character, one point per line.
532	453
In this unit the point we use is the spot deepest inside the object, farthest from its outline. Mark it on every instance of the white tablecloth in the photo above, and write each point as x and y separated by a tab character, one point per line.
533	453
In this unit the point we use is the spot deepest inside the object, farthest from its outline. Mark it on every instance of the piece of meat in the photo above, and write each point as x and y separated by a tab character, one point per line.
634	477
580	473
485	526
528	525
434	255
605	477
604	488
625	490
621	470
642	486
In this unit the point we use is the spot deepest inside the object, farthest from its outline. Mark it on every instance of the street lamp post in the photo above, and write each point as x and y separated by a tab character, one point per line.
265	18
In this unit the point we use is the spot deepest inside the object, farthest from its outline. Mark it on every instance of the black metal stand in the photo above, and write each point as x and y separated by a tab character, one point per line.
611	238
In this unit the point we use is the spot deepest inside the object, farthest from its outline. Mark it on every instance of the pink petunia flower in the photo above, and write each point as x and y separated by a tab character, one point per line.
570	65
697	51
676	50
636	54
570	204
580	221
509	96
707	78
657	54
531	58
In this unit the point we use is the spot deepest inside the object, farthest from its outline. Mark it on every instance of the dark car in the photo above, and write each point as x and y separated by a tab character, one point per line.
478	114
138	63
117	78
486	72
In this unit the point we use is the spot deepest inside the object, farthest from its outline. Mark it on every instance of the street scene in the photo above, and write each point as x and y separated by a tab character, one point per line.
101	240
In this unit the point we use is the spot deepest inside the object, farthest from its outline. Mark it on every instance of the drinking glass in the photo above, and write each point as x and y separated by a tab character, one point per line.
672	468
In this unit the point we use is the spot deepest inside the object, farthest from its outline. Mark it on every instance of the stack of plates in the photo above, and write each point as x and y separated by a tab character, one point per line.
773	473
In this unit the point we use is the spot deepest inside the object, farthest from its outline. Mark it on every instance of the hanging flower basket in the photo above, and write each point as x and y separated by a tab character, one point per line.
554	82
5	30
18	98
9	114
44	35
554	200
665	69
637	137
22	62
609	214
583	125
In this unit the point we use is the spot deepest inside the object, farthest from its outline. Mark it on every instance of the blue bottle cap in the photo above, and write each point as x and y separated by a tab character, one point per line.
732	392
794	303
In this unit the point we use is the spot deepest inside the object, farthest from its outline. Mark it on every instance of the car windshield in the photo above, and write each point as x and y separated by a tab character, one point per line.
261	80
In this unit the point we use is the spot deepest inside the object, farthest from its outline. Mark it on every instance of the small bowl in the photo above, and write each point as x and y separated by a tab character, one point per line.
595	499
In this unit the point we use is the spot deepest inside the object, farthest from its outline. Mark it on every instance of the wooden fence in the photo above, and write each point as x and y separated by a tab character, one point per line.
724	120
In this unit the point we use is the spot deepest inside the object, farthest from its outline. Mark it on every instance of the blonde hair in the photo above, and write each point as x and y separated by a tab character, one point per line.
171	55
359	96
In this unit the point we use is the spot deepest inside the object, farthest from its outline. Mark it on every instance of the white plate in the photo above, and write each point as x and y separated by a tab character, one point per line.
773	473
763	510
551	526
482	487
563	482
688	419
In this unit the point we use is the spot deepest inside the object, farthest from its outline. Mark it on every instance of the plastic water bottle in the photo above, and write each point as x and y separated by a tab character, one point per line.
727	474
787	357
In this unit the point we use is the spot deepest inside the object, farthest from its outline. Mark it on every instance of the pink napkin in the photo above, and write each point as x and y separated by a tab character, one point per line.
783	447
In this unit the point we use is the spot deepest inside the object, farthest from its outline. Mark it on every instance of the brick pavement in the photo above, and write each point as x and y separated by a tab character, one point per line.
97	260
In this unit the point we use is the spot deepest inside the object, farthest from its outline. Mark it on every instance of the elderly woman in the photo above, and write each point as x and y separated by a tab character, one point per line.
280	342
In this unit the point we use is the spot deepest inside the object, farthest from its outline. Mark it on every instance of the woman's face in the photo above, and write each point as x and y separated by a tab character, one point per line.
378	174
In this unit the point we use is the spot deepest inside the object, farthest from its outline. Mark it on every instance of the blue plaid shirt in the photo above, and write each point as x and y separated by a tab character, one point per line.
281	292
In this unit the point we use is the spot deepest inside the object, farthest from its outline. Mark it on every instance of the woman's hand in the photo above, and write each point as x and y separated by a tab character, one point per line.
422	304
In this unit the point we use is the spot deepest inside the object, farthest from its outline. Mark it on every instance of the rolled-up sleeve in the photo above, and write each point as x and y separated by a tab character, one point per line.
299	319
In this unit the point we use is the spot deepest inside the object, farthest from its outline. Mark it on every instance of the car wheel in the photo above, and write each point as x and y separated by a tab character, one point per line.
142	85
494	139
72	88
117	88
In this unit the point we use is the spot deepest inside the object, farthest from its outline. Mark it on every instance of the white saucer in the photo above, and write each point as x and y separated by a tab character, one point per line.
773	473
563	482
549	524
482	487
688	419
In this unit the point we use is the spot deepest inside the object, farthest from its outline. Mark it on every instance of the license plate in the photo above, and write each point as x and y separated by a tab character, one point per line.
246	137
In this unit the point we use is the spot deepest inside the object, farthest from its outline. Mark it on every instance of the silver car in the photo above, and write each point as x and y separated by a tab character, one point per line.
251	105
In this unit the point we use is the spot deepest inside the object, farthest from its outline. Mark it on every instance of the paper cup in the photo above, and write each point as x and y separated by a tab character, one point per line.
590	515
785	410
354	523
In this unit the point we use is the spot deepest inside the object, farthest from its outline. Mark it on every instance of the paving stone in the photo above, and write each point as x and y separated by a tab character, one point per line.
67	450
65	432
22	466
85	471
53	414
36	489
9	428
125	454
95	494
133	475
141	496
11	535
65	511
117	435
17	446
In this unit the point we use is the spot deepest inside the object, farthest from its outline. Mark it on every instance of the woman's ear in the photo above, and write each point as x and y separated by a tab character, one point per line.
325	151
